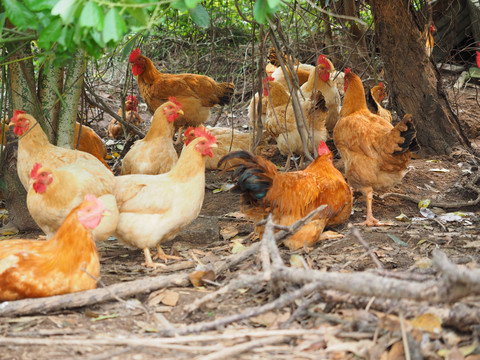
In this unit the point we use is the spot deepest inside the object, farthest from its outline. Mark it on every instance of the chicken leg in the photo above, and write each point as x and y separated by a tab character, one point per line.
148	260
371	221
162	256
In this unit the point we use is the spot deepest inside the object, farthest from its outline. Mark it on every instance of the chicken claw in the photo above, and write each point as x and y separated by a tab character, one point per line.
328	235
148	260
162	256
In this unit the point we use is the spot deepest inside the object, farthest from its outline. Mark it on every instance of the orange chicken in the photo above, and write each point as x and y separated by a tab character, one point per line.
155	154
196	93
33	146
90	142
155	208
290	196
375	98
375	153
115	128
66	263
428	36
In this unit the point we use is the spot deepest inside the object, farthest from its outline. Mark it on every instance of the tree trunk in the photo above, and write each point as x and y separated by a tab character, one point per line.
414	81
15	195
69	107
50	84
356	35
23	97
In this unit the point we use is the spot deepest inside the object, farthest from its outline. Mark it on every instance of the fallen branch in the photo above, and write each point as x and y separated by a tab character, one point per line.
121	290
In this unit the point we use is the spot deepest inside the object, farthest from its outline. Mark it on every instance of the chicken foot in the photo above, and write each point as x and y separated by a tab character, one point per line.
162	256
148	260
371	221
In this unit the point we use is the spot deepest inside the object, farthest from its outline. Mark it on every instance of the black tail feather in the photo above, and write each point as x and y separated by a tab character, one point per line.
410	135
227	94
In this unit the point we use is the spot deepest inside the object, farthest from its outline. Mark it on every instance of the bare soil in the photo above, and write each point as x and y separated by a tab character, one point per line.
344	332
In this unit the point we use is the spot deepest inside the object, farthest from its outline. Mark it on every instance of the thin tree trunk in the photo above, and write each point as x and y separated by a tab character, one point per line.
22	97
69	107
50	84
414	81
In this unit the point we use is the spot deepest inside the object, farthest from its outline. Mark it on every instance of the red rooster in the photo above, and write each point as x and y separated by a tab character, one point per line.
293	195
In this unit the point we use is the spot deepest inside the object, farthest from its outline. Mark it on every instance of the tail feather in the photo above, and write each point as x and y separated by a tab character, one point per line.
410	136
371	103
226	95
253	175
272	57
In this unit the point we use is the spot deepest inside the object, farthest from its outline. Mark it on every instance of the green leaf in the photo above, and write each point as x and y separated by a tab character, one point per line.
127	49
179	5
200	16
66	10
18	14
50	34
273	3
40	5
92	16
396	240
114	26
139	14
191	3
260	11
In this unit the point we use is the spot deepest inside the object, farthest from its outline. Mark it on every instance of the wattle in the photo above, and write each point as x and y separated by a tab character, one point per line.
325	76
19	131
137	69
39	187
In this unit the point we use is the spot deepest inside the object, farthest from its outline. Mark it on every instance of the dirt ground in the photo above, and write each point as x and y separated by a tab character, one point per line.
131	327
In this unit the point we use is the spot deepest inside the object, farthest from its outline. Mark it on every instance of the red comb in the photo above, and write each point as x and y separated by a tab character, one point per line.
132	98
347	70
15	114
34	172
322	148
380	84
323	60
134	55
188	131
174	100
203	132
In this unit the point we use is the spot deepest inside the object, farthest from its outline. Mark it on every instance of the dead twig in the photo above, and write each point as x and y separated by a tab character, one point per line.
360	239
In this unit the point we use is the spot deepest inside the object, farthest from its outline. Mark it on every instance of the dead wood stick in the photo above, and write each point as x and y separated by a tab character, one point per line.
443	205
102	105
362	241
136	341
244	347
280	302
121	290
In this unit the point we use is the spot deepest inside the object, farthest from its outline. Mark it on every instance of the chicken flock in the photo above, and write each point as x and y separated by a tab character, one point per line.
76	199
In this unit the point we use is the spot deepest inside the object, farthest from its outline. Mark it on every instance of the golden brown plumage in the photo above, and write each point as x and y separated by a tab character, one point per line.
155	154
428	36
66	263
115	128
90	142
375	98
375	153
292	195
196	93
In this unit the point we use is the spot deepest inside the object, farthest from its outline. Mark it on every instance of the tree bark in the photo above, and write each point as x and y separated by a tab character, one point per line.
71	95
414	81
50	85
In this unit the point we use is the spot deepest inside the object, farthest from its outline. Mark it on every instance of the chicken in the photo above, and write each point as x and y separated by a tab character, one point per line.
375	153
196	93
252	107
225	143
319	80
155	208
374	100
90	142
290	196
55	192
155	154
33	146
115	129
66	263
302	70
282	126
428	36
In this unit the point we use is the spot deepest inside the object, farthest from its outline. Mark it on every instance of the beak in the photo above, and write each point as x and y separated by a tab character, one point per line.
31	181
107	213
180	112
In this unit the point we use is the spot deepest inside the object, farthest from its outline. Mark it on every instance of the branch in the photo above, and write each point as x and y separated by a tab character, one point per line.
103	106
